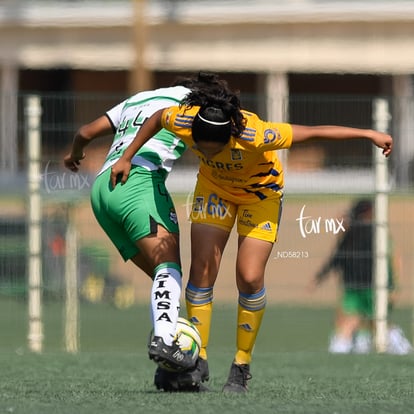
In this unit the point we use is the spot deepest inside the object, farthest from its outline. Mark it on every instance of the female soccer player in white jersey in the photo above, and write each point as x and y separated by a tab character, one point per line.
139	217
240	176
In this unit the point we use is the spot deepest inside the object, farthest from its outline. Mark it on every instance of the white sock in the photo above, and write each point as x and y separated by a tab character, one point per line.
165	300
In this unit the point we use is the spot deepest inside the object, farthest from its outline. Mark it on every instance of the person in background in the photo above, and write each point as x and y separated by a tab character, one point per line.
139	216
240	178
353	260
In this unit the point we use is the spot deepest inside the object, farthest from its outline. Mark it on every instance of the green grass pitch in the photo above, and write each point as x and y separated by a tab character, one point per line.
292	372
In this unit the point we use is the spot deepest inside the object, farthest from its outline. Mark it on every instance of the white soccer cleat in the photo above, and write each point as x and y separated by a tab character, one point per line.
338	345
398	344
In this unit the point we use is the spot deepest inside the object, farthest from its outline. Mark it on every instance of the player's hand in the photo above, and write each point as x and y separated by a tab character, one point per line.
120	172
383	141
72	161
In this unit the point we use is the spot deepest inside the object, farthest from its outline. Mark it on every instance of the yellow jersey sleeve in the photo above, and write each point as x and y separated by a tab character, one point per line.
266	136
178	120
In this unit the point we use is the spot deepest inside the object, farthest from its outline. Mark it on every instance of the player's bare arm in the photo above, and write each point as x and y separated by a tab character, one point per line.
304	133
120	170
85	135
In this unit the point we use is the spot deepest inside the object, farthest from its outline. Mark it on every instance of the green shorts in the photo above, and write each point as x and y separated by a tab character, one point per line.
132	211
358	301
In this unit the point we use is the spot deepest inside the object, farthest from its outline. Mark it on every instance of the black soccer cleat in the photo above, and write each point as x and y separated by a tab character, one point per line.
170	356
186	381
238	377
194	377
166	380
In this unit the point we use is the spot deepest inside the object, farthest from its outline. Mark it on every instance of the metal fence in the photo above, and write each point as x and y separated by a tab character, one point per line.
76	262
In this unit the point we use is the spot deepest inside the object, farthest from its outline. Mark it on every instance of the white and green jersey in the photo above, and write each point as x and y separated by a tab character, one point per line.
164	148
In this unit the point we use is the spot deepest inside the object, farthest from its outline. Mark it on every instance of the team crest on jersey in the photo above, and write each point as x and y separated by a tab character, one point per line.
198	204
173	216
271	135
236	155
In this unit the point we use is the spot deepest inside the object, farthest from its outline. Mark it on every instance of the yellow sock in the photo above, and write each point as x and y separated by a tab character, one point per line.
250	313
199	303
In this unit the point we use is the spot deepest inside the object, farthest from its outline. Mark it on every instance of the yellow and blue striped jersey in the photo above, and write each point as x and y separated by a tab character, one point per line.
248	169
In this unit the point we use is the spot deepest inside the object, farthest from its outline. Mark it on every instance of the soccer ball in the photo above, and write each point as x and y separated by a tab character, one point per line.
188	339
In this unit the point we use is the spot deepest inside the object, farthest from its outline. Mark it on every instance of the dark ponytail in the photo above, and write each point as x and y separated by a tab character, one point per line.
220	109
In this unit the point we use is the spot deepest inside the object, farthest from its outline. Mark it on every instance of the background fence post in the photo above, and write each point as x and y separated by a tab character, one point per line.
71	286
33	113
381	243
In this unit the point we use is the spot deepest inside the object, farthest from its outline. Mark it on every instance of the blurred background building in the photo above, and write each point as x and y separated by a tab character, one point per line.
278	53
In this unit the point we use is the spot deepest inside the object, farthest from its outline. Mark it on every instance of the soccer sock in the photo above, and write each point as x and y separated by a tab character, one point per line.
249	318
199	303
165	300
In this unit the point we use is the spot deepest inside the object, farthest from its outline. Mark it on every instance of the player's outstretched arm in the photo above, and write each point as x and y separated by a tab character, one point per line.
303	133
83	137
120	170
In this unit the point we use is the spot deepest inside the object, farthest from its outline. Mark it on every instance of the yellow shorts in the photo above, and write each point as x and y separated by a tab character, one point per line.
258	220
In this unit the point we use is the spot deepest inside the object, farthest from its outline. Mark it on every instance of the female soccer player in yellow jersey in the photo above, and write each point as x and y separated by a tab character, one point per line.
240	176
